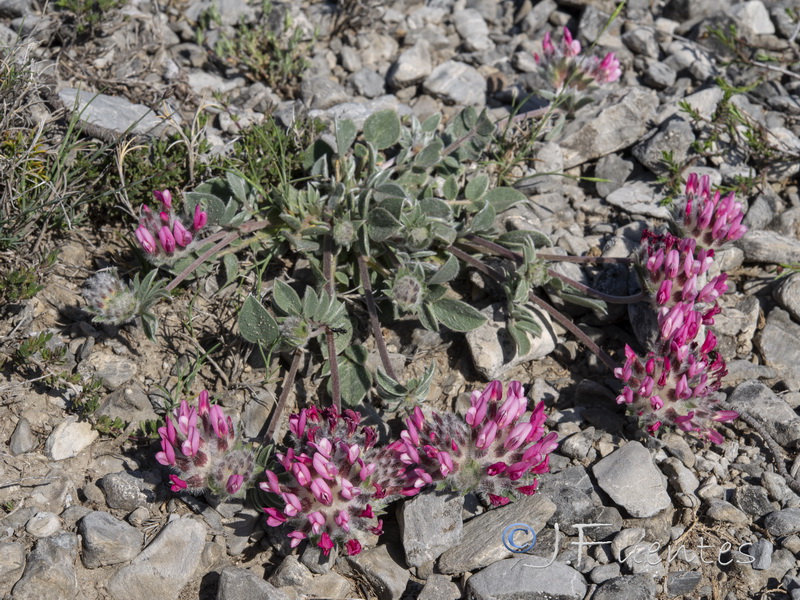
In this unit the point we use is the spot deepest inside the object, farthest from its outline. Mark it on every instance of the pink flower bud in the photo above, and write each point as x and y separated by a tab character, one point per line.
146	239
167	240
178	484
274	517
317	520
182	237
296	537
234	483
352	547
165	197
200	218
321	491
167	454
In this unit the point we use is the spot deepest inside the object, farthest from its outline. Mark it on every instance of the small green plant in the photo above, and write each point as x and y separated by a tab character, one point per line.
23	283
273	51
88	14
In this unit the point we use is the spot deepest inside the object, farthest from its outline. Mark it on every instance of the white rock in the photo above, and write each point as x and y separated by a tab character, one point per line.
69	439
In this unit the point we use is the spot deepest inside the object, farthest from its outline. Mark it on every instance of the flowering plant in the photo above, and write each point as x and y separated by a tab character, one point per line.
676	383
166	237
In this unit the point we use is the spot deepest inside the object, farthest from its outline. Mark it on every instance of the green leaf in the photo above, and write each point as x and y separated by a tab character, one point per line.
427	318
450	188
388	386
457	315
515	240
592	303
483	219
447	272
319	149
256	324
354	382
212	204
150	325
434	207
286	299
382	225
389	191
231	264
476	188
429	155
310	303
503	198
431	124
382	128
238	186
345	135
521	338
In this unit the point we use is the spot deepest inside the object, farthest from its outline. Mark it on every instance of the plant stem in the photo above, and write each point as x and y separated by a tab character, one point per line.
608	260
569	325
288	382
375	324
227	238
327	273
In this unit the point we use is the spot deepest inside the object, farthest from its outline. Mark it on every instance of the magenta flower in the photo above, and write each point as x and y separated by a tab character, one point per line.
206	455
166	237
331	480
491	451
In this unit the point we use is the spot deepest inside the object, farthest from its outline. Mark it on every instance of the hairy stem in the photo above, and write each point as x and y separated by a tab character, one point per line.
373	318
327	273
288	383
225	237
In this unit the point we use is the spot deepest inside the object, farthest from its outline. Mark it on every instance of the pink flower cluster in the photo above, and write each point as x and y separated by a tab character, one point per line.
162	235
493	451
202	448
564	68
676	384
326	487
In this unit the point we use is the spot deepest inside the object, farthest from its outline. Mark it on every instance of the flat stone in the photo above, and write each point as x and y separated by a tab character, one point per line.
126	492
412	66
43	524
720	510
675	136
769	409
69	439
163	568
615	170
639	198
482	542
10	9
50	570
22	440
12	560
473	29
633	482
783	522
529	577
439	587
107	540
761	551
429	525
630	587
614	125
322	92
128	403
114	371
368	83
753	15
787	294
753	500
457	83
383	569
680	583
104	114
762	246
659	76
241	584
493	349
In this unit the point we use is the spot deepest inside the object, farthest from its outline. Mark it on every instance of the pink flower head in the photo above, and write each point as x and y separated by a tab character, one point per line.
234	483
167	239
182	237
352	547
165	197
296	537
571	47
275	517
219	422
200	218
317	521
178	484
203	404
146	239
167	454
322	491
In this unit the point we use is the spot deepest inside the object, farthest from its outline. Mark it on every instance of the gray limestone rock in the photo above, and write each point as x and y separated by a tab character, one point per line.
429	525
163	568
783	522
109	116
787	294
439	587
753	16
368	83
753	500
383	568
12	560
494	351
412	66
482	536
125	491
322	92
612	126
241	584
615	170
725	512
630	587
457	83
680	583
472	28
674	136
767	408
22	440
50	571
633	482
659	76
761	551
107	540
642	41
43	524
639	198
69	439
527	577
761	246
128	403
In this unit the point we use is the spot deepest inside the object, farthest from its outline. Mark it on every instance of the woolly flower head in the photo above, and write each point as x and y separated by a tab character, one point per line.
108	299
202	448
709	218
564	67
165	237
325	490
492	451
